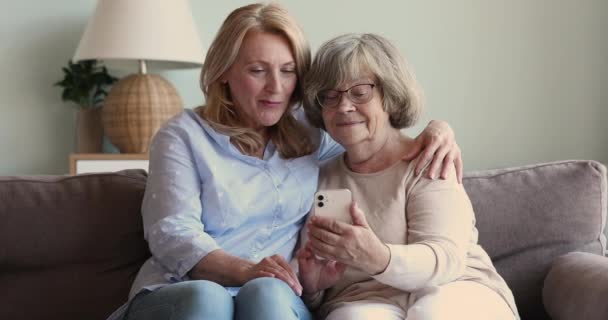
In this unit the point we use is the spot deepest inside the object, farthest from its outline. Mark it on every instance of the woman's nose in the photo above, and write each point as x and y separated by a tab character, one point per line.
345	105
273	82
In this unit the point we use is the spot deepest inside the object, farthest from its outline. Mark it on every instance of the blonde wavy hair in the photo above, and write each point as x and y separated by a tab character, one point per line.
291	138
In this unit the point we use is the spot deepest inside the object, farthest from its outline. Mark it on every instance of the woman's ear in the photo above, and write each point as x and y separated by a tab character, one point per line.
224	78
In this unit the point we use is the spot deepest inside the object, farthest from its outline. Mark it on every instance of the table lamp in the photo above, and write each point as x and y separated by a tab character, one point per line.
161	33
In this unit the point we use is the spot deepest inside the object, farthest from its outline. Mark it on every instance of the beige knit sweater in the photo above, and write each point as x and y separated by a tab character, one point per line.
429	227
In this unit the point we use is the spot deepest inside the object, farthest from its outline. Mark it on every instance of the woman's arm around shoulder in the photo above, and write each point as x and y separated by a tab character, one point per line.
436	145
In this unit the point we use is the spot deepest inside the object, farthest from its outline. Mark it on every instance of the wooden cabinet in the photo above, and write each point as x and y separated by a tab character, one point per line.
106	162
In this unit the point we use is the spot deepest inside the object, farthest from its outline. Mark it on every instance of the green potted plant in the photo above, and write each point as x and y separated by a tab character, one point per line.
86	83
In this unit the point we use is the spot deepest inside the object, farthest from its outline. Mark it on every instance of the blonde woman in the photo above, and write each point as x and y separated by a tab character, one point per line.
411	251
230	183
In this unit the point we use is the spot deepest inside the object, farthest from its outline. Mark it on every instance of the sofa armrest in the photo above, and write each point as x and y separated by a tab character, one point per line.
576	287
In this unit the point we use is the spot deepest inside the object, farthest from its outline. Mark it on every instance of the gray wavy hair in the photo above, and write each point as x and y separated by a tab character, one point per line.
353	56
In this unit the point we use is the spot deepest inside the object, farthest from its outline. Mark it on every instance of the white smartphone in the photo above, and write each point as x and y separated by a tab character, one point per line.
333	203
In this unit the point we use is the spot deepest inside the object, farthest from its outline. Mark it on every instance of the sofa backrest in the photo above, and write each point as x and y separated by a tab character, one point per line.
70	245
51	269
528	216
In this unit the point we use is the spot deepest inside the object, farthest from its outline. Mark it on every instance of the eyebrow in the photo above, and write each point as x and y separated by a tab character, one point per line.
355	83
290	63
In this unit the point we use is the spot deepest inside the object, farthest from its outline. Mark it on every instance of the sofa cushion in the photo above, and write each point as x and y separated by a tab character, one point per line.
71	245
577	286
528	216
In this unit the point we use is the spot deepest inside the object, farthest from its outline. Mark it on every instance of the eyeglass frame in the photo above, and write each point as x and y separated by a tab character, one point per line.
348	96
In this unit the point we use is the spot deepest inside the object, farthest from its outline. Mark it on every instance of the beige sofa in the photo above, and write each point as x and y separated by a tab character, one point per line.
72	245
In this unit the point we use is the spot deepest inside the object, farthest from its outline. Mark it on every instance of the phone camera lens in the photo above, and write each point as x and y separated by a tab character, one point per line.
320	204
320	197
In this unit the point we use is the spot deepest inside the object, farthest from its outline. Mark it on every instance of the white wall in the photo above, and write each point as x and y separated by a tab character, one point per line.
520	81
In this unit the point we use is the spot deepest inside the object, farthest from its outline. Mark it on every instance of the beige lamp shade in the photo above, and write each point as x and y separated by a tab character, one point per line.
126	32
159	31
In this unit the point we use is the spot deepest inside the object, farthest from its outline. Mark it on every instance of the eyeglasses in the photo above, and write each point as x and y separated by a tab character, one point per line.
357	94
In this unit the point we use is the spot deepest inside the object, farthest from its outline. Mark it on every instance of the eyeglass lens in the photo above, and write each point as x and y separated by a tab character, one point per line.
361	93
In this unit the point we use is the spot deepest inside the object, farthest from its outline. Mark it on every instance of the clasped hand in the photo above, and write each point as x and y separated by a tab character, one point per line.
275	267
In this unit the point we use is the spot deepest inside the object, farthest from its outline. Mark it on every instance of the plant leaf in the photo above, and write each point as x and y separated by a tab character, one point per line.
85	82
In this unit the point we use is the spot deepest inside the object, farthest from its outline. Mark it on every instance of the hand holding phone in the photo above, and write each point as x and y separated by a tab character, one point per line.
333	203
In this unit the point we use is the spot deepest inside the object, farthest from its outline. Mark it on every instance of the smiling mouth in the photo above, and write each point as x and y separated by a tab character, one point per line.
349	123
270	103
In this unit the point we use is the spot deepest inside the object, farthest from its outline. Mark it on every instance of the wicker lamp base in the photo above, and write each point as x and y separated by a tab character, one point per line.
135	108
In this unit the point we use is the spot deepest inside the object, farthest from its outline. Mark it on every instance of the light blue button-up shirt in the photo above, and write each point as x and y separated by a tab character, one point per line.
202	194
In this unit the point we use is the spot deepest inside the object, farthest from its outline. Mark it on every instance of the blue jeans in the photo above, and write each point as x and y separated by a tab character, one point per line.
261	298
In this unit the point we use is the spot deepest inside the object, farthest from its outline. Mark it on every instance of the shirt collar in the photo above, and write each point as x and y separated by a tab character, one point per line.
224	141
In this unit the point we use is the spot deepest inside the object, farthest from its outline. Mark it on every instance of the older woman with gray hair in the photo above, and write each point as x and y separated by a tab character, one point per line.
411	250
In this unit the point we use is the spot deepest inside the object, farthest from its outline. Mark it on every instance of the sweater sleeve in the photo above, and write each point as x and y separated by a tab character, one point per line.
440	223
